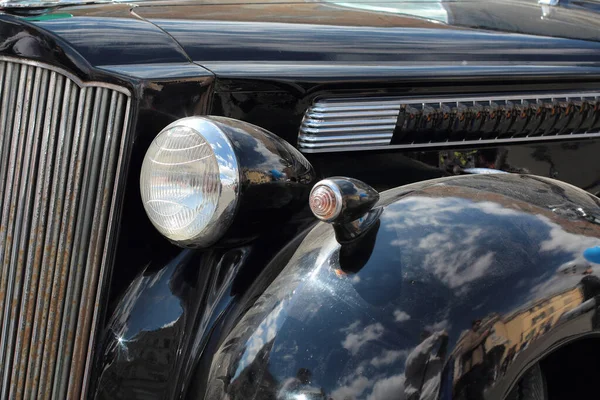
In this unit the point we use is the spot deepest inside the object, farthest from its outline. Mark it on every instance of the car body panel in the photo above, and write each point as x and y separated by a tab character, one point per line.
265	63
391	316
324	32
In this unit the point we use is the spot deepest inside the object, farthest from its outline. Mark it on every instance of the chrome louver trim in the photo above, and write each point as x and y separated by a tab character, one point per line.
61	145
350	124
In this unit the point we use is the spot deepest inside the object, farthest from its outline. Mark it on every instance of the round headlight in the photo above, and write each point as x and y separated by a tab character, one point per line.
190	182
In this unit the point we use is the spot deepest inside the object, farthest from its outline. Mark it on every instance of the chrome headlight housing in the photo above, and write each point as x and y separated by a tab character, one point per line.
190	182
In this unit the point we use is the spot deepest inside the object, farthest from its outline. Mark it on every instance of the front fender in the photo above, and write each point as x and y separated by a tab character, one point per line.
464	284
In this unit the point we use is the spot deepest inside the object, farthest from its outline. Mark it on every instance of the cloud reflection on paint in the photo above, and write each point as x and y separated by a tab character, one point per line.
451	252
265	333
401	316
391	388
459	254
388	357
357	337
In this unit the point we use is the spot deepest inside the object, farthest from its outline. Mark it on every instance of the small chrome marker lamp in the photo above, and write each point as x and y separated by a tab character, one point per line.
347	204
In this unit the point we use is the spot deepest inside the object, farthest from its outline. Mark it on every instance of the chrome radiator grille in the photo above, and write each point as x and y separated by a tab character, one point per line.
61	142
418	123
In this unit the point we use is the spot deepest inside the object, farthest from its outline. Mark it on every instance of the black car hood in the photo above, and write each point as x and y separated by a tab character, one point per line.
216	34
522	17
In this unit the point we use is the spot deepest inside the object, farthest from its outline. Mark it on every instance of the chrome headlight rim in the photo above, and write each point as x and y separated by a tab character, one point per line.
229	181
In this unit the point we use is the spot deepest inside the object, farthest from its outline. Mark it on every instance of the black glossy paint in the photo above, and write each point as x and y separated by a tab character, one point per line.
363	31
275	180
504	250
174	310
142	349
20	38
570	19
164	95
159	327
237	41
264	63
110	34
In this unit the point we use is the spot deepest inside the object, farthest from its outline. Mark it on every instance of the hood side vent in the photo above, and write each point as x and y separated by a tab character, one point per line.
332	125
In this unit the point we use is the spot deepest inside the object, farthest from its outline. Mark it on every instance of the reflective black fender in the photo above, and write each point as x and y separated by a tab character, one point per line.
167	322
464	284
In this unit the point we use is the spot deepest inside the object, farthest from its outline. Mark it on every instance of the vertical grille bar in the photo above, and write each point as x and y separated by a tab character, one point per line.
8	225
29	162
41	311
37	228
60	147
81	234
99	225
19	217
5	113
116	164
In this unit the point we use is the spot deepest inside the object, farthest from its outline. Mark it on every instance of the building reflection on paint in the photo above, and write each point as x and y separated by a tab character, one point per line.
484	353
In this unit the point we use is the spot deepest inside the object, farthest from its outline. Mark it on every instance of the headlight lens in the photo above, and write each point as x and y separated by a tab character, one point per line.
189	182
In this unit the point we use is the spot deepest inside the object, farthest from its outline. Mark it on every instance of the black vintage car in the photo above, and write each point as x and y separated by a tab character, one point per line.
293	200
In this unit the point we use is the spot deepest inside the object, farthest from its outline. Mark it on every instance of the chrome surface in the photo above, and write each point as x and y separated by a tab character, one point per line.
549	2
352	124
329	184
211	129
355	213
60	145
483	171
